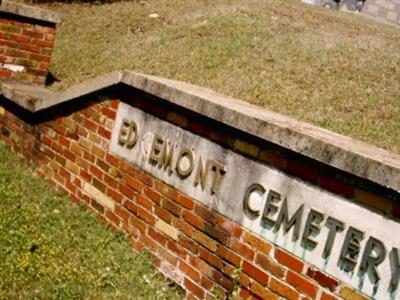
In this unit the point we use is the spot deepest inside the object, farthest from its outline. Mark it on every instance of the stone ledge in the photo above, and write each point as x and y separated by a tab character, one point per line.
30	12
344	153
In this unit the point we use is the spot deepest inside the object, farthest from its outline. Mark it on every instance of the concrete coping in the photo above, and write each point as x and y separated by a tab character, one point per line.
347	154
30	12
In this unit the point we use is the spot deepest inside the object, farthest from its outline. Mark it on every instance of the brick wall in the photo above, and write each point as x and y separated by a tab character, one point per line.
196	247
26	47
386	10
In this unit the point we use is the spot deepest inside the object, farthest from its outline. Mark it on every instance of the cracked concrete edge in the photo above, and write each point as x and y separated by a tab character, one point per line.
344	153
30	11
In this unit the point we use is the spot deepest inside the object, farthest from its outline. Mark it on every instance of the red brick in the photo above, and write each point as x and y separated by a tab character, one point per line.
288	260
122	213
188	244
132	207
257	243
242	249
326	296
32	33
206	214
269	265
336	186
96	172
185	202
90	125
255	272
323	279
114	195
262	291
229	256
189	271
301	284
133	183
194	288
171	207
177	249
137	223
157	236
144	201
193	219
112	217
165	190
145	215
104	132
152	194
19	37
283	289
164	214
303	171
210	258
39	57
126	191
200	265
113	160
229	226
110	113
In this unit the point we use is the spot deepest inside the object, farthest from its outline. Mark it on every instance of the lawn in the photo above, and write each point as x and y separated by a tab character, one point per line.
333	69
52	249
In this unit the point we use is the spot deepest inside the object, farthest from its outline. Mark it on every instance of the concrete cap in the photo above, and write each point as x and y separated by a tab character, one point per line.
29	12
344	153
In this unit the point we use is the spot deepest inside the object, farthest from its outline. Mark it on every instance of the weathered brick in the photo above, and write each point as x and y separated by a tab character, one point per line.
301	284
255	272
242	249
348	293
171	207
205	240
135	184
323	279
229	226
269	265
210	258
189	271
194	288
257	243
193	219
289	260
229	256
262	292
283	289
326	296
167	229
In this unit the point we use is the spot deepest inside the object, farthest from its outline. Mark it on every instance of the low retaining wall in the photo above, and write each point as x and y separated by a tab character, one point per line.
27	36
213	186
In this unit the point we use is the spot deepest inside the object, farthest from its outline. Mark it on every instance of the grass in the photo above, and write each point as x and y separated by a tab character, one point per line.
335	70
51	249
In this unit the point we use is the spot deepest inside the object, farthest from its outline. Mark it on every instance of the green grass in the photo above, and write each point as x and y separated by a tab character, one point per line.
336	70
52	249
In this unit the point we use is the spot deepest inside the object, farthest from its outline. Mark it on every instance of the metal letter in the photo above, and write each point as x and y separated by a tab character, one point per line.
123	132
249	211
312	228
201	174
283	217
351	248
188	153
156	148
271	207
133	135
334	227
219	170
369	262
166	156
395	269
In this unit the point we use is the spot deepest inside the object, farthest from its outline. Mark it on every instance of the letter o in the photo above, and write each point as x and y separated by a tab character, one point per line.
181	170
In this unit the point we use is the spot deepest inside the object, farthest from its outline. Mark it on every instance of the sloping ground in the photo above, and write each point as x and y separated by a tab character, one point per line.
336	70
51	249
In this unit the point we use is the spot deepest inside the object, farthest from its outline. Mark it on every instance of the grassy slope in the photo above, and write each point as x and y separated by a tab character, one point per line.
336	70
51	249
